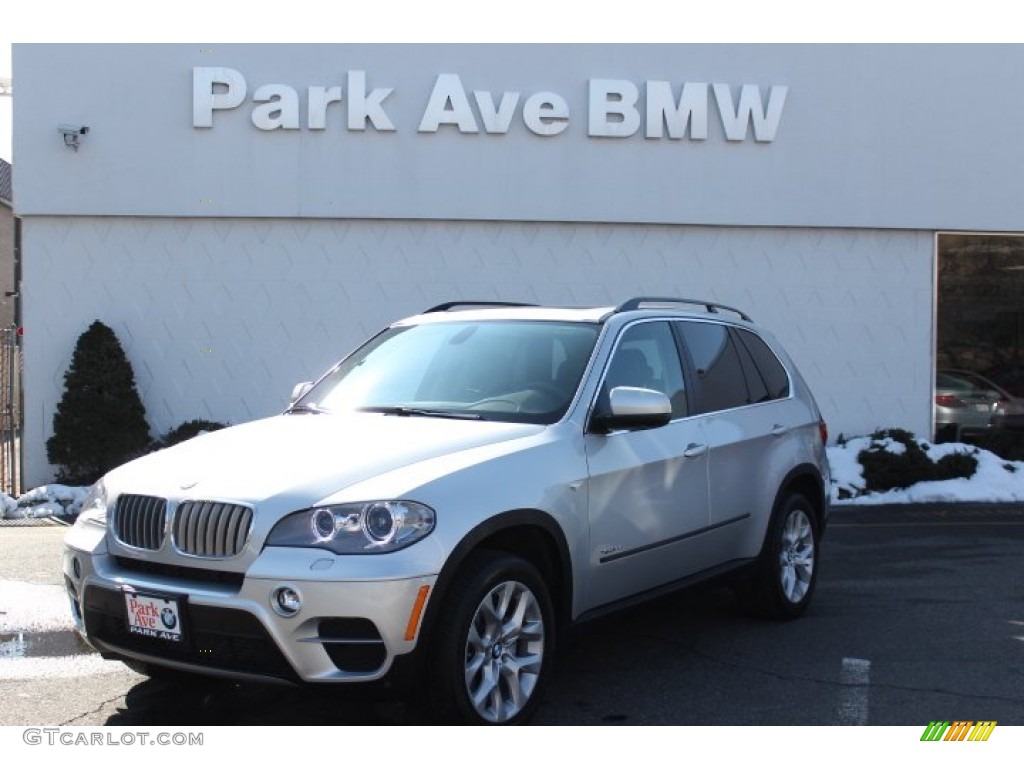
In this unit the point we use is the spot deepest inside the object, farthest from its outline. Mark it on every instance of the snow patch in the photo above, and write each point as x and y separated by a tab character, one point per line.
33	607
44	501
995	481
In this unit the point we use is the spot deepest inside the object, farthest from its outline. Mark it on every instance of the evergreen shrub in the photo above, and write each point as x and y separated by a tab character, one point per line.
100	421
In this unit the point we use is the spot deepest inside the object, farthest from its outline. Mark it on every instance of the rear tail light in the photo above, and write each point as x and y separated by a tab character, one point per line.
823	431
949	401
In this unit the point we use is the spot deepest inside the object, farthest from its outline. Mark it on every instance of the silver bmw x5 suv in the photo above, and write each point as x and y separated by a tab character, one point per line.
445	501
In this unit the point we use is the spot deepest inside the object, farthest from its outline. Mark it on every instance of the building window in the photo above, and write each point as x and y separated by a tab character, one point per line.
980	335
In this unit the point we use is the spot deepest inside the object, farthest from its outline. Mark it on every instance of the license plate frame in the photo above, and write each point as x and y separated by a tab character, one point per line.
155	615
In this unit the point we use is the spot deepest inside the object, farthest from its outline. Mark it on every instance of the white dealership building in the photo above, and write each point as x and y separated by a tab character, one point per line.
243	215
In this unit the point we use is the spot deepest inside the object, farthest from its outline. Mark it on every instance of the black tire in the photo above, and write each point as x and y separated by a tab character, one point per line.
786	571
476	674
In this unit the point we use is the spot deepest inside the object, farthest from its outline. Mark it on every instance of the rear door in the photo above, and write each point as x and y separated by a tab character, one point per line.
745	423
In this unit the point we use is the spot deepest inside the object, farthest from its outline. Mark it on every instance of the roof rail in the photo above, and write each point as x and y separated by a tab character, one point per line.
453	304
710	306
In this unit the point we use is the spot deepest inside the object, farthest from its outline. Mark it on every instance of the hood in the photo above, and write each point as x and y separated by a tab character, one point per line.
298	459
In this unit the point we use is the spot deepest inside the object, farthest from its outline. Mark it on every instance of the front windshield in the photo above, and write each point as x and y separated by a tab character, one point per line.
523	371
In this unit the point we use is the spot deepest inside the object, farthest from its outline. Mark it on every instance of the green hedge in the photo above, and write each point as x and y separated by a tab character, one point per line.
185	431
885	470
1004	443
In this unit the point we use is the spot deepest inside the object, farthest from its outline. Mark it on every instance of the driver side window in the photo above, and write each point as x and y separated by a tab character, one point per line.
646	356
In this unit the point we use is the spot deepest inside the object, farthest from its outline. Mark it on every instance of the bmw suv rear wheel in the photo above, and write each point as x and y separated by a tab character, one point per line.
787	569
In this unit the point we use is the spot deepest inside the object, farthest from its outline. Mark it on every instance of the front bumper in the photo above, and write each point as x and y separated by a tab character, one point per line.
345	631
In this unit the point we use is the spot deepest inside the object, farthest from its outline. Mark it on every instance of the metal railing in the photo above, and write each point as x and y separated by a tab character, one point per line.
10	411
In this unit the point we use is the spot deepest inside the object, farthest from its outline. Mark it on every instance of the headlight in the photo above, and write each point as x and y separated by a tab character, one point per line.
94	507
363	528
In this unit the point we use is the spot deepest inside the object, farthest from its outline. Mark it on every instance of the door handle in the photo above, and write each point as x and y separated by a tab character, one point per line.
693	450
778	430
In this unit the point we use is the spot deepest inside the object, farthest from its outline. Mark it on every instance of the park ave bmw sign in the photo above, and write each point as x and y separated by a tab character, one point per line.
615	108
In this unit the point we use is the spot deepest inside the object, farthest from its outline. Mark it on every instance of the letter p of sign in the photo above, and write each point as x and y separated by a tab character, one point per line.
215	88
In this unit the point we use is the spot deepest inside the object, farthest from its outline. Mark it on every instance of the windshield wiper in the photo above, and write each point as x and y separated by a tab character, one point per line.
404	410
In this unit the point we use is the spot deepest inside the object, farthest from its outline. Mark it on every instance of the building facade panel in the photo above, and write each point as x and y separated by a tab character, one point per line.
220	317
778	135
243	215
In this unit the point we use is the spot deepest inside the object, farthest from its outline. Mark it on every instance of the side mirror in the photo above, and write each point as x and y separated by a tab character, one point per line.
299	390
633	408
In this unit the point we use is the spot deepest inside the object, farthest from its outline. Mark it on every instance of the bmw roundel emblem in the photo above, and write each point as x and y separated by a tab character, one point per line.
168	618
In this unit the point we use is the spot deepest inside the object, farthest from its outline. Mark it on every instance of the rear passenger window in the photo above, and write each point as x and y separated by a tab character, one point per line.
774	375
721	383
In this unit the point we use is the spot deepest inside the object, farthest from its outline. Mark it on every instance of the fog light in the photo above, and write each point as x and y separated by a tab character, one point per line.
286	601
76	567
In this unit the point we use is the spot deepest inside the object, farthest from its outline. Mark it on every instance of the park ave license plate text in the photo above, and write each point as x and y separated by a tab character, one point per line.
153	616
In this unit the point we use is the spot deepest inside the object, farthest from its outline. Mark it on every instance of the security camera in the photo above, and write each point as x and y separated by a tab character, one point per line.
71	134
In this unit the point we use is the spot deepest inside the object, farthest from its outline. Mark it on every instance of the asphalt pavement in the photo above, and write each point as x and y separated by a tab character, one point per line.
919	616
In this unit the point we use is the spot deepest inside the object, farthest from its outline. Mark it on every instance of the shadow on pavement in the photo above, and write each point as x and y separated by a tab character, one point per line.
216	702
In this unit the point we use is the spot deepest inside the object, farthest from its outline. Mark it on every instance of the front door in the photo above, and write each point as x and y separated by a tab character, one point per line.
648	487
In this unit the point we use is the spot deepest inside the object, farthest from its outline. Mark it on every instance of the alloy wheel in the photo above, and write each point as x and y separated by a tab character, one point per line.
796	556
504	651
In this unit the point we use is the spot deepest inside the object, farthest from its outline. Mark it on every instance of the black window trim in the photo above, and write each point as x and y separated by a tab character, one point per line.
690	370
690	380
785	369
751	372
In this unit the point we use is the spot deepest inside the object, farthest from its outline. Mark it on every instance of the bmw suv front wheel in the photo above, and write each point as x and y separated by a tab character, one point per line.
494	645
